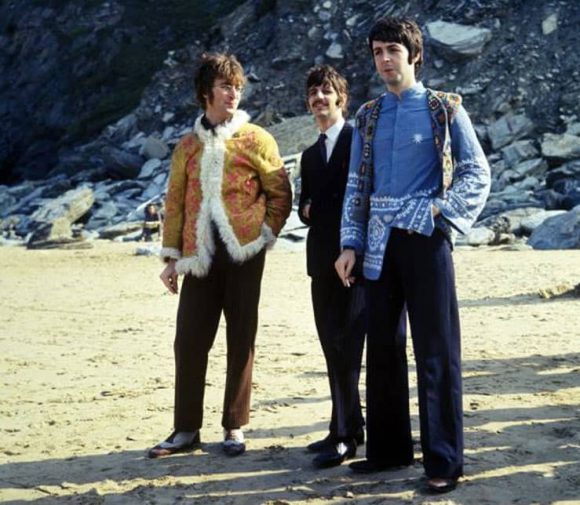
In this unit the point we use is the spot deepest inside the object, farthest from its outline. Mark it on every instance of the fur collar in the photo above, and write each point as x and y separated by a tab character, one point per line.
223	131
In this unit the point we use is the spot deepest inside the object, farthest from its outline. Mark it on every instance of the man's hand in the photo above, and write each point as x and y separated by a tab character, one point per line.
169	277
435	210
344	265
306	211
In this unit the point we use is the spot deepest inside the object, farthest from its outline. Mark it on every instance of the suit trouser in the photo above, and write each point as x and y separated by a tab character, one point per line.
340	319
418	271
235	289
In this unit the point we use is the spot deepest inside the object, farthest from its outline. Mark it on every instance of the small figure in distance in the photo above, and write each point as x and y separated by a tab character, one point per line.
151	224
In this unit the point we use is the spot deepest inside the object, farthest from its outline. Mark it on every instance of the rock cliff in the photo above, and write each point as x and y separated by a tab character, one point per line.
510	60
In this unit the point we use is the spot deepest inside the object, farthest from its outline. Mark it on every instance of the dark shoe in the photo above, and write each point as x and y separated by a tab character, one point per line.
328	441
369	466
169	446
234	443
440	486
335	455
321	445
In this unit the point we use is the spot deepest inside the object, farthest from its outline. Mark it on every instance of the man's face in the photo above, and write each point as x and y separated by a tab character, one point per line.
323	102
392	64
224	100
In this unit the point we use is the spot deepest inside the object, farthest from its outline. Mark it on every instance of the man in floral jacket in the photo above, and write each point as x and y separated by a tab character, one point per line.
227	200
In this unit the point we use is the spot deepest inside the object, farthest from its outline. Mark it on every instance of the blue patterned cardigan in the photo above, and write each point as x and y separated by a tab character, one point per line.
465	181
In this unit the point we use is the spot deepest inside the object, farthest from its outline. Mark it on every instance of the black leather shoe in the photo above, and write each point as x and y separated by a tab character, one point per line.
369	466
335	454
440	486
169	447
320	445
328	441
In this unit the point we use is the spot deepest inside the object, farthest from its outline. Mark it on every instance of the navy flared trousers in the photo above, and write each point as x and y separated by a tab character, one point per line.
417	273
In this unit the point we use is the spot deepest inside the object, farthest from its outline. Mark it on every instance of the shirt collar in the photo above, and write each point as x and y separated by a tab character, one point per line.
413	91
334	131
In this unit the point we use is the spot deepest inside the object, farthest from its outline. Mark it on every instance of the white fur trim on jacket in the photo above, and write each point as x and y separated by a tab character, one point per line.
169	253
212	206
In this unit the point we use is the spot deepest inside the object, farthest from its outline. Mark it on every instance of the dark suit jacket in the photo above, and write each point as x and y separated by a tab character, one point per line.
323	186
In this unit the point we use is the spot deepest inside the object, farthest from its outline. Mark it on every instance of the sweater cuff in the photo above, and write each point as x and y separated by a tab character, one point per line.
460	223
169	253
268	236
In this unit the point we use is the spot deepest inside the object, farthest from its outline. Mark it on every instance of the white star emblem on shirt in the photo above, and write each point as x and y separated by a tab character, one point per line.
417	138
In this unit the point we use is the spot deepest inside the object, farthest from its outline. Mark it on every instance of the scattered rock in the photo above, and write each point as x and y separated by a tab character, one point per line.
509	128
121	164
120	229
70	207
519	151
294	134
561	147
558	232
550	24
455	41
149	168
154	148
480	235
148	250
335	51
529	223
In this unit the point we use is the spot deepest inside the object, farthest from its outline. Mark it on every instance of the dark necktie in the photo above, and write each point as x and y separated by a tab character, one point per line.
322	145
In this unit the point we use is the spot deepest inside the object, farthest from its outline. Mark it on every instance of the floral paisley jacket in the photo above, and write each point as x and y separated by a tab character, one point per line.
231	179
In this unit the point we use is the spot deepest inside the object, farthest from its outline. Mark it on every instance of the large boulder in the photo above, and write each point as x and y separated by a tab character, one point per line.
558	232
51	224
536	168
509	128
519	151
456	42
48	233
531	222
154	148
510	221
70	206
122	164
118	230
479	235
560	147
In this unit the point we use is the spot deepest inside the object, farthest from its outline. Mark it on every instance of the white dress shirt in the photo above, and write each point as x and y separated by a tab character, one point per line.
332	136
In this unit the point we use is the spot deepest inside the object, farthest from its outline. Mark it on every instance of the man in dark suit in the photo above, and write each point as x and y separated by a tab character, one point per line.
338	310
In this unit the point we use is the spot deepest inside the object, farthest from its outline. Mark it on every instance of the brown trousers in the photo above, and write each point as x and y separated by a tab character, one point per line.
233	288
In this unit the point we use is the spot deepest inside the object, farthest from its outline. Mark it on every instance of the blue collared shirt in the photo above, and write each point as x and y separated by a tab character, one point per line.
405	157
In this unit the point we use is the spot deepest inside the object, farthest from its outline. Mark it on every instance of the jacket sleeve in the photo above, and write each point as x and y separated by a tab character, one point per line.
305	192
465	198
274	182
356	198
175	205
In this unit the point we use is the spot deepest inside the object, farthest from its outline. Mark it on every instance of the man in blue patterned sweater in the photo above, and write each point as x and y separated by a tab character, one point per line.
417	176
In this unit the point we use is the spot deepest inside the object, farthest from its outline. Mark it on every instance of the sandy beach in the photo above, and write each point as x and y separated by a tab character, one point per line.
87	386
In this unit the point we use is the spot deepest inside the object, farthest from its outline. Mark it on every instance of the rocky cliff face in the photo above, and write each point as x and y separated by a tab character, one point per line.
69	68
512	61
